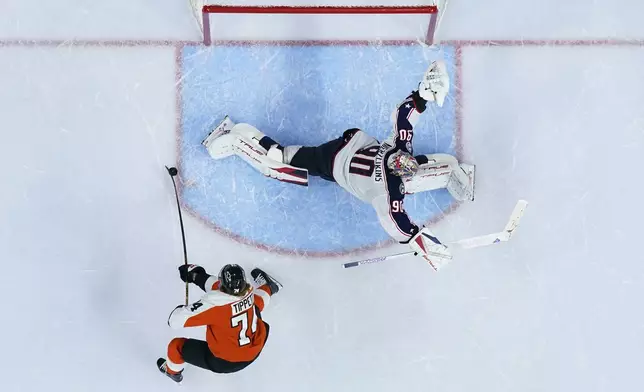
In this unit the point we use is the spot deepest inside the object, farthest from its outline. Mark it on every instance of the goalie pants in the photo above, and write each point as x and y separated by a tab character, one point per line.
197	353
319	160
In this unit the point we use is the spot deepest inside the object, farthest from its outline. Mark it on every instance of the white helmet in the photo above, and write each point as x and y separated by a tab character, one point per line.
402	164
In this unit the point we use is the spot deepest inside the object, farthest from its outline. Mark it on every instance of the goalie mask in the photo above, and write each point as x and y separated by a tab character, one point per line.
402	164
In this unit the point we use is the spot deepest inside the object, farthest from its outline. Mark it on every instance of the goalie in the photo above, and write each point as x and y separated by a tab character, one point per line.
377	173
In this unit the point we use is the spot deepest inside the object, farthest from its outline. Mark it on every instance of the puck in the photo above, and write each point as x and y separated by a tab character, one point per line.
172	171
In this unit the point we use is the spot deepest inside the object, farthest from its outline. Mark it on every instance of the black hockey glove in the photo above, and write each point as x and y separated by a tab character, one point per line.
188	273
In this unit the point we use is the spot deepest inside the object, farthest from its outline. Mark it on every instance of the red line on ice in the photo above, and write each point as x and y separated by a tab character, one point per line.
133	43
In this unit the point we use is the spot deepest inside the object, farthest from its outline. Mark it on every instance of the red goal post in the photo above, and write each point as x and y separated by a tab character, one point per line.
430	10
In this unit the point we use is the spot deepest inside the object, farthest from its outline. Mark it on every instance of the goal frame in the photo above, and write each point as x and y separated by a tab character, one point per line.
431	10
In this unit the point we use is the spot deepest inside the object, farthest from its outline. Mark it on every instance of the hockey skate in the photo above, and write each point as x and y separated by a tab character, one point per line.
162	365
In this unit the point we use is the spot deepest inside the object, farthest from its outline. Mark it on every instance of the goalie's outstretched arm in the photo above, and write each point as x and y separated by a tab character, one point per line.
405	118
393	218
434	87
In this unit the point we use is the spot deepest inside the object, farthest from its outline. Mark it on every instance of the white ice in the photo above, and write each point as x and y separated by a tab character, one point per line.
90	241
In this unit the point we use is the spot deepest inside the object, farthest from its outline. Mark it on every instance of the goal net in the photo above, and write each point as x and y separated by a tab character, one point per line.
319	23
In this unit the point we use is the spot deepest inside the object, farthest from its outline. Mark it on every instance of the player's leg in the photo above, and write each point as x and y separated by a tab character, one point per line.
172	366
244	140
219	365
182	351
317	160
196	352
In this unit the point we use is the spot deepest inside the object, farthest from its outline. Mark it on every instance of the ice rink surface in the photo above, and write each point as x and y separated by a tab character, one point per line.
301	95
97	97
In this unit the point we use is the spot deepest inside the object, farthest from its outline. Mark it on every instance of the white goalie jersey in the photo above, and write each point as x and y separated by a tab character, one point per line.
360	167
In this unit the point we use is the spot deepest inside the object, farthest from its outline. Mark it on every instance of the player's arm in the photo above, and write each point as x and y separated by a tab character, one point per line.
193	273
193	315
267	287
434	87
405	119
393	218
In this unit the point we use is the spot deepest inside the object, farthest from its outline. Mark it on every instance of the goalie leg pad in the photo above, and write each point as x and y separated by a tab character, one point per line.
461	182
227	134
223	128
251	133
243	140
222	146
431	175
443	171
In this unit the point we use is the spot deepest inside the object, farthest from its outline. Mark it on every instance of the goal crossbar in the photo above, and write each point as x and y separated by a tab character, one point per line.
430	10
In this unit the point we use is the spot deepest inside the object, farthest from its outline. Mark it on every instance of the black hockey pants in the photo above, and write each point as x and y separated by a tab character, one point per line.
197	353
319	160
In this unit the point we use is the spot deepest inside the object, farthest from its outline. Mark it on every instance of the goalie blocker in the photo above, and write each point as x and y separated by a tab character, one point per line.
426	245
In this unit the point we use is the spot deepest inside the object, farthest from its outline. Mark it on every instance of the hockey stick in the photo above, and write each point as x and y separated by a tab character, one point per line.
468	243
172	171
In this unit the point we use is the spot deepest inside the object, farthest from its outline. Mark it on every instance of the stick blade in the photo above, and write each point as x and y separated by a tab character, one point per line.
495	238
479	241
515	218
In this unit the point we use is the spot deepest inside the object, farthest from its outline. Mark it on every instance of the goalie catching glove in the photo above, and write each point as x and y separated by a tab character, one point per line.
435	83
426	245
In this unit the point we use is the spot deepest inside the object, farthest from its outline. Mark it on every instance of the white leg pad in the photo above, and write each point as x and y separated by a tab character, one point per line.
243	140
443	171
223	128
221	140
462	182
432	175
275	154
249	132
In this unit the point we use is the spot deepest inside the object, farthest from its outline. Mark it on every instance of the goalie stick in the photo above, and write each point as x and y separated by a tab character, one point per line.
467	243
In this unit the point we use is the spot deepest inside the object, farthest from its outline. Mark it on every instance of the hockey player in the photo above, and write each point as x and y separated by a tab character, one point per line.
377	173
231	311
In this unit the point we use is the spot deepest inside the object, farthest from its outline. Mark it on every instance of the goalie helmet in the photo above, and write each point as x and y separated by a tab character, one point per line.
402	164
233	279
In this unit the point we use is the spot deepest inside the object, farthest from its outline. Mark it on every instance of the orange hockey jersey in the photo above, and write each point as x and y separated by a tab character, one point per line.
234	330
